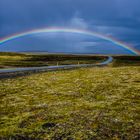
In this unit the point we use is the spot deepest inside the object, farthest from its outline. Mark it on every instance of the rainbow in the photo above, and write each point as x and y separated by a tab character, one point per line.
69	30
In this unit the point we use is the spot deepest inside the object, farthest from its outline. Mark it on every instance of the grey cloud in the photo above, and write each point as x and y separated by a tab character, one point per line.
118	18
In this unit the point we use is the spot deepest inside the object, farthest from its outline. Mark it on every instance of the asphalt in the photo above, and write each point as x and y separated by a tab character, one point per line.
3	72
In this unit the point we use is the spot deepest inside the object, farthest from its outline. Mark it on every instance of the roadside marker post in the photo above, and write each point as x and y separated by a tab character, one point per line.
78	63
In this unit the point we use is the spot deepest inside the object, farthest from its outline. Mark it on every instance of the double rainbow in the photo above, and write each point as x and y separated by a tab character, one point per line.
69	30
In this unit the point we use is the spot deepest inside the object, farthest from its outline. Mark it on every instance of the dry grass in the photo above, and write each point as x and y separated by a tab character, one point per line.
8	60
93	103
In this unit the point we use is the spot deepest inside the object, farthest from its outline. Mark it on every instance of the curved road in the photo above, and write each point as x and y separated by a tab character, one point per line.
52	68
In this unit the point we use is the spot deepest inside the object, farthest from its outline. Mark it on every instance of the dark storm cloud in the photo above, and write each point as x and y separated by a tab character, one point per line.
118	18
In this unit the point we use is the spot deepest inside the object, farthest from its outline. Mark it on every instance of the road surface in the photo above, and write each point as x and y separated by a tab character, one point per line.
52	68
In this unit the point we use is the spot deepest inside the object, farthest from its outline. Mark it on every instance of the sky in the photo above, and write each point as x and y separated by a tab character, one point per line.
117	18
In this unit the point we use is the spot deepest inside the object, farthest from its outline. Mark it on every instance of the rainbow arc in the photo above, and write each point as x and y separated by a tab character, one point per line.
68	30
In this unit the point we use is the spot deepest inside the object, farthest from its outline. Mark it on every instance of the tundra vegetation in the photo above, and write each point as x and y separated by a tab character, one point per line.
87	103
11	60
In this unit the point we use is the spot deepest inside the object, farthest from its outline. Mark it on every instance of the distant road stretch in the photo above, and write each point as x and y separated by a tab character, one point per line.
52	68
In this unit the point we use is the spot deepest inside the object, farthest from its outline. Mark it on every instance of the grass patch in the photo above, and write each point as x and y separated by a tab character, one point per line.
92	103
8	60
126	61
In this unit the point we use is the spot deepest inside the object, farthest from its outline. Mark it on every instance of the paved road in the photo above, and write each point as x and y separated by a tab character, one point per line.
51	68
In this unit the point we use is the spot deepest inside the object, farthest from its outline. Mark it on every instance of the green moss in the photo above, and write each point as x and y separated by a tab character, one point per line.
92	103
8	60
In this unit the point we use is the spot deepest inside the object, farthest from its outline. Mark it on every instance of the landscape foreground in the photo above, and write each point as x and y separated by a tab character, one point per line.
83	104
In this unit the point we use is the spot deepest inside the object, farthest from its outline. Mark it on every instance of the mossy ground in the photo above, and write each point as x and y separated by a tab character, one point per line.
92	103
8	60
